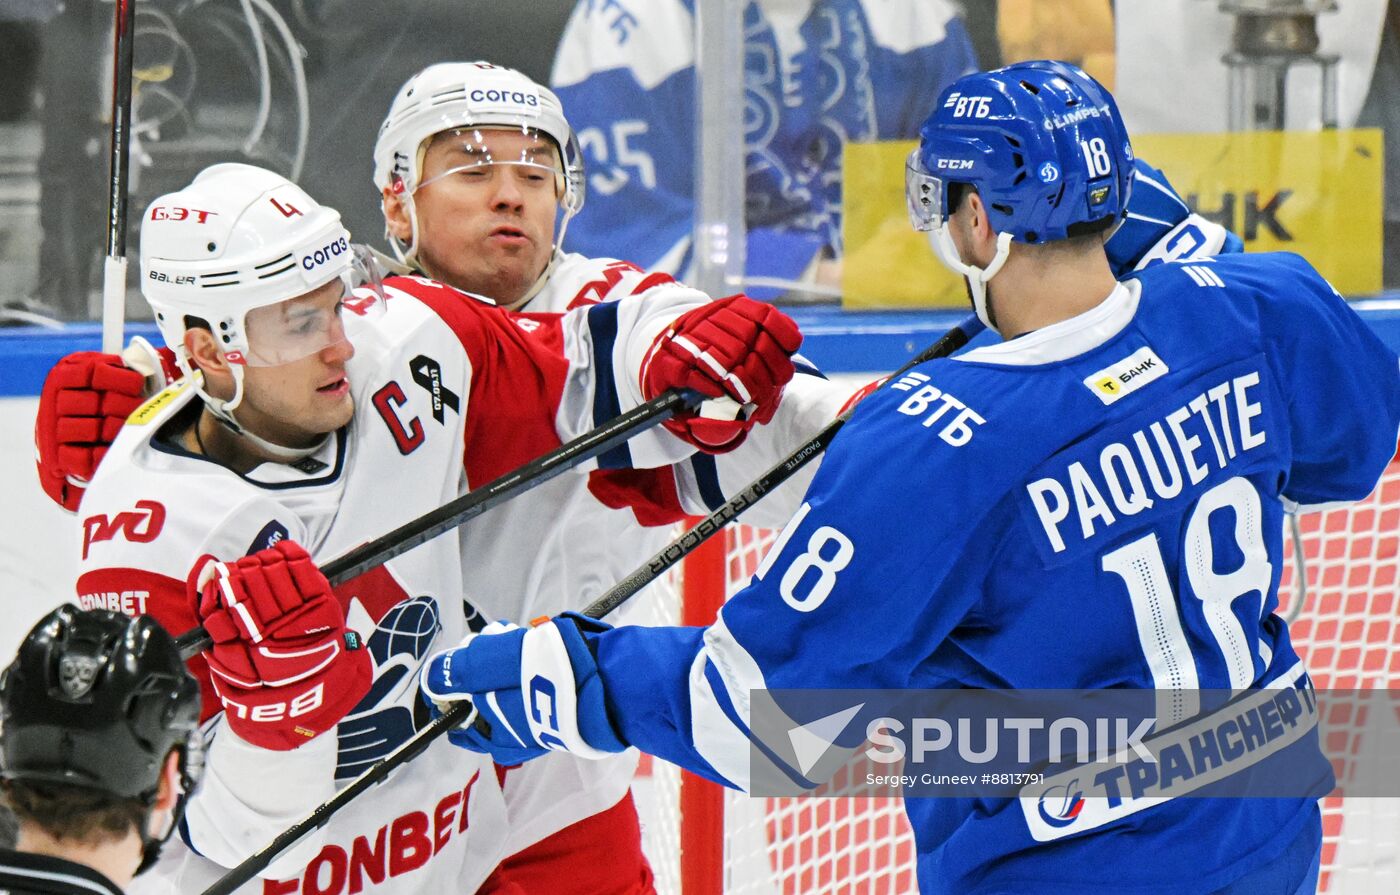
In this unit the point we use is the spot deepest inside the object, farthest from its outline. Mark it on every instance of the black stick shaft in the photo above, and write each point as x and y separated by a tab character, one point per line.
125	12
414	747
678	549
473	504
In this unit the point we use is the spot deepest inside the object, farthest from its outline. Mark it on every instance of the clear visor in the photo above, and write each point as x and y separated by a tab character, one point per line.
923	193
479	156
290	330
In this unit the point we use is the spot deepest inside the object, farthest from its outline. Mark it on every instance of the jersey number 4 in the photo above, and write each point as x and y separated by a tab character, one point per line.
1144	573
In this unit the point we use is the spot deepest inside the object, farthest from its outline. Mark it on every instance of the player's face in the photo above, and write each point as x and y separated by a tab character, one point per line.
486	210
295	403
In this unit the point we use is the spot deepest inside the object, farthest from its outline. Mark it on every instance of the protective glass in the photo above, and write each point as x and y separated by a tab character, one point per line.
923	194
290	330
483	155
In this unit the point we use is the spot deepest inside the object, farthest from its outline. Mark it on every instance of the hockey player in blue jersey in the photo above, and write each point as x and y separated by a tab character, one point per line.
1094	502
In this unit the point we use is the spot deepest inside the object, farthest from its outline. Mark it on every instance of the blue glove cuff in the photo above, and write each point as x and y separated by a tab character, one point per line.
594	725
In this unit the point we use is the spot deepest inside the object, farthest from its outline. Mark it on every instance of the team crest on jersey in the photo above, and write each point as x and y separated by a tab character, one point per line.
139	525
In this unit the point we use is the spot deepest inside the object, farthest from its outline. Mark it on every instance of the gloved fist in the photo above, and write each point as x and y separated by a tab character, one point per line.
536	689
734	347
86	398
283	663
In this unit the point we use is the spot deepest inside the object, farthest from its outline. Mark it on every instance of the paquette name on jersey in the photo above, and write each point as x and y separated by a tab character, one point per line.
1126	470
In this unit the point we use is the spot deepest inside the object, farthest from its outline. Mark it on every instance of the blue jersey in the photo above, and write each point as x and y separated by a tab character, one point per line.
816	75
1098	504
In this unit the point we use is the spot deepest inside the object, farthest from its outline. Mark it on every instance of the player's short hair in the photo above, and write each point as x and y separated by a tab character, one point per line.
74	813
1082	238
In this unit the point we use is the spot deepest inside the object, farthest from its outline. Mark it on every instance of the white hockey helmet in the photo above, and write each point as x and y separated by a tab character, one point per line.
470	94
452	95
228	250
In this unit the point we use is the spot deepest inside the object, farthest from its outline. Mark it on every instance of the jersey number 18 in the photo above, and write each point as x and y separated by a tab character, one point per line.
1144	573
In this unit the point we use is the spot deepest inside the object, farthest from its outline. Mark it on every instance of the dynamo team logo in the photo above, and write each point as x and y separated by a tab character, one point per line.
1060	805
1049	172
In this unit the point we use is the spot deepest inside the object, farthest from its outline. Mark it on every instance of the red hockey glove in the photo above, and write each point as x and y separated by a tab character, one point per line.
86	398
284	665
734	347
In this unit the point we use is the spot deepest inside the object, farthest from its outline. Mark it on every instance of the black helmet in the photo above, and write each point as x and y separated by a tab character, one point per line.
97	699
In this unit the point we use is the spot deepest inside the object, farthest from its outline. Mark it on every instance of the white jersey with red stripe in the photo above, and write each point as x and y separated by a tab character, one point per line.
439	378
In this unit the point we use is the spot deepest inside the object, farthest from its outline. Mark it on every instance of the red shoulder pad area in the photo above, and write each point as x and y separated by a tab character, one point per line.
518	373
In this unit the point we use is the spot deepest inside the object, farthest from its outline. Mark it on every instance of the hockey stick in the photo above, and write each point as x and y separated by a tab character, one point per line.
474	503
706	528
114	268
461	713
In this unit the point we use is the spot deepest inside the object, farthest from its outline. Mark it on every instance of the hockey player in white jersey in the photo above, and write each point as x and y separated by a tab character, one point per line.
481	176
263	450
1094	503
475	162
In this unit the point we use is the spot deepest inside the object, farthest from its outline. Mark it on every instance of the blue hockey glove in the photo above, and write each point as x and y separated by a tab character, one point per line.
537	689
1160	227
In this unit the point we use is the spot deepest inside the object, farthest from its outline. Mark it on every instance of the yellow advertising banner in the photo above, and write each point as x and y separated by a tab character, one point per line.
1315	193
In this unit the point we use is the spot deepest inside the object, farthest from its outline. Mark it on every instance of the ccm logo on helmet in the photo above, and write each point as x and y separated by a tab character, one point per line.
955	164
503	96
322	255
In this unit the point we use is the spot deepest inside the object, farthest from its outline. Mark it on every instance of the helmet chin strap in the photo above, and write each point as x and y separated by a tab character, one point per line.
223	412
977	277
151	845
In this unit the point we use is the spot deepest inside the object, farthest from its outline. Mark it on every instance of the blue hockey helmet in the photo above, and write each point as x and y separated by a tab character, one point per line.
1045	148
